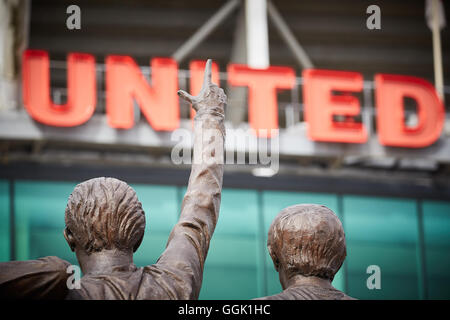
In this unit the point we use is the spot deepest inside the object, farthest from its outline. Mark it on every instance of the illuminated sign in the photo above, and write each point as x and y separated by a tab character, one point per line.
159	102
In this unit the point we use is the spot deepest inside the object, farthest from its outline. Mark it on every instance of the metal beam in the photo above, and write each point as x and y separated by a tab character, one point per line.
298	51
14	19
257	34
237	105
437	51
182	52
293	142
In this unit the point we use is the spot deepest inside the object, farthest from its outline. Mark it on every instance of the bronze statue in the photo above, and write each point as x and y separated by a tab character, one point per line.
105	225
307	246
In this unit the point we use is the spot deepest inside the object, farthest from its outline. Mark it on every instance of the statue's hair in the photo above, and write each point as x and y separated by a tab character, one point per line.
105	213
307	239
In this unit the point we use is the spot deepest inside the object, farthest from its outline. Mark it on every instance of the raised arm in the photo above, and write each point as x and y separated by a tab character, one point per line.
188	242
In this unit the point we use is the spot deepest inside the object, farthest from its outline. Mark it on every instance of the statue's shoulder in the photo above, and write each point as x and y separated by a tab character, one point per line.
118	285
308	293
321	293
54	260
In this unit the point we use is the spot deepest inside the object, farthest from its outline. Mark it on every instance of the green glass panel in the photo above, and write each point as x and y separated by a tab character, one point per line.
436	225
273	203
4	221
160	205
233	269
382	232
39	215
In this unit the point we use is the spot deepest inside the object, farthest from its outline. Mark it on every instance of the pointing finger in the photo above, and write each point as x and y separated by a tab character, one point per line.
207	74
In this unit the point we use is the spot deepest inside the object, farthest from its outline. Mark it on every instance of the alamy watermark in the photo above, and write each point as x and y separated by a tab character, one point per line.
374	20
73	281
74	20
374	280
241	147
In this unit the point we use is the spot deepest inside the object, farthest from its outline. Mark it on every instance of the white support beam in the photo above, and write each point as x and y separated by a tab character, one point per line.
437	6
14	20
257	34
237	96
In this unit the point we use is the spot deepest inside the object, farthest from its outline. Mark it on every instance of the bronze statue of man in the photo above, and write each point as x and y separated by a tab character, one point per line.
307	246
105	225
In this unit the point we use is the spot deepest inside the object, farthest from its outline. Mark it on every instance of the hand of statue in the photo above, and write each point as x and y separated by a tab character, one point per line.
211	97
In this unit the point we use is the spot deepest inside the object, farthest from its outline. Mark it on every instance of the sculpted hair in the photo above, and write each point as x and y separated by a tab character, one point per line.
307	239
105	213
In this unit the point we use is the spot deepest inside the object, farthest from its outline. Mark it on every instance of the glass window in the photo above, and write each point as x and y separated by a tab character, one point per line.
273	202
382	232
160	204
4	221
233	269
436	223
39	213
379	231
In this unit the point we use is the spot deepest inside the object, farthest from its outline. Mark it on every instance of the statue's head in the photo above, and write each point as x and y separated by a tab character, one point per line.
307	239
104	213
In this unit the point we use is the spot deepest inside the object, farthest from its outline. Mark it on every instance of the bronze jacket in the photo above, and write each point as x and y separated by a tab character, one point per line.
309	292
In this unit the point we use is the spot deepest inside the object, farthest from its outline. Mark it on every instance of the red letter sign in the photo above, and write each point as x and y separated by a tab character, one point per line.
81	96
197	68
321	105
158	102
262	92
392	131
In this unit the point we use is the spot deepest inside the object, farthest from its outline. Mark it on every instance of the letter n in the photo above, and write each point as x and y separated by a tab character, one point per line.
392	130
81	95
158	102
